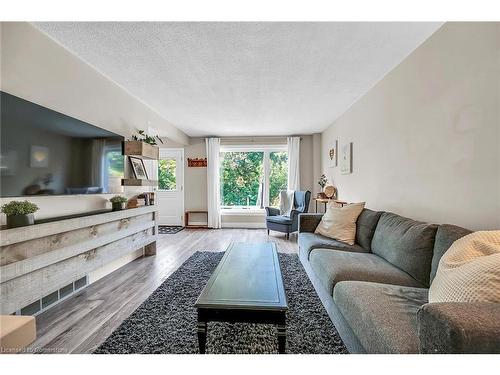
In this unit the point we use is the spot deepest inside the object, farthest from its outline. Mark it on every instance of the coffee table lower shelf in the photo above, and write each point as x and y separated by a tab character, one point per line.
245	287
206	315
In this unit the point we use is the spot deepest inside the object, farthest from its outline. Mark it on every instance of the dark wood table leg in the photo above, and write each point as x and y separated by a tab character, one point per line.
316	206
281	338
202	336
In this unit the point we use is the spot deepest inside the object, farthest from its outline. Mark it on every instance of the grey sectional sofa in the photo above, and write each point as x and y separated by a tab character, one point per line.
375	291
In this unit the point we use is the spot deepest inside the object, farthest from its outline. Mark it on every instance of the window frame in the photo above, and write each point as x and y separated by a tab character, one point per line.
266	149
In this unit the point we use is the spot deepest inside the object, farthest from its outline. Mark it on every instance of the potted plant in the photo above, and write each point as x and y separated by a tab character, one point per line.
143	137
19	213
118	202
322	182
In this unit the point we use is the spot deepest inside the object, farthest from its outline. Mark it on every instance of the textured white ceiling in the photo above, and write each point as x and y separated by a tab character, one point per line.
229	79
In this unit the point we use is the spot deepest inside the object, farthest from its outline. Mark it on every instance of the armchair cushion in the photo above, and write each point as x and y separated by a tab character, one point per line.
279	219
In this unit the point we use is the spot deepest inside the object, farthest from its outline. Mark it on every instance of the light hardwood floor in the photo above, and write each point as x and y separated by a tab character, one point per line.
81	323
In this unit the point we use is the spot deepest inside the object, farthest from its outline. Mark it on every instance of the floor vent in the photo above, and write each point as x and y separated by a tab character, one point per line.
53	298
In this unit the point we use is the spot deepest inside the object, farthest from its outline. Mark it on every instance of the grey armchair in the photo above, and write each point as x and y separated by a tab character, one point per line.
288	224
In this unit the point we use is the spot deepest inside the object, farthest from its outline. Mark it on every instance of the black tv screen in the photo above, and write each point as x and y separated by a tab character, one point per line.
44	152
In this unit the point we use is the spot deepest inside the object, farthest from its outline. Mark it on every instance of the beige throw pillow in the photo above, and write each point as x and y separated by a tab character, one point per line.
339	223
469	271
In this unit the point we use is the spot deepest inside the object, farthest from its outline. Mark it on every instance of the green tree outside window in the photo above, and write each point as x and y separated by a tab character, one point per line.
166	174
278	176
242	177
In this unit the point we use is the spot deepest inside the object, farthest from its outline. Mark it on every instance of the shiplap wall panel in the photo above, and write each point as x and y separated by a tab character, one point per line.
76	251
27	249
15	235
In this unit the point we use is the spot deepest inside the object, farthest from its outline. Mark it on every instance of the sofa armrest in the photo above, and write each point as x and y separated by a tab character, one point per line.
309	222
271	211
459	327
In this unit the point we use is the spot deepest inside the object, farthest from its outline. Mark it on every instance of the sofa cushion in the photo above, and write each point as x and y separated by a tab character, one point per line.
365	227
279	219
339	222
445	236
406	243
383	317
310	241
333	266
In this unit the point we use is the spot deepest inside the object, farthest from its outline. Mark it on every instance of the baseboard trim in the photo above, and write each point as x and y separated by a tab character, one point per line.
244	225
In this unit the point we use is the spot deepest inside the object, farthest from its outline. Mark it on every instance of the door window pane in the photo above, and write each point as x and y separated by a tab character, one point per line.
241	179
167	174
278	176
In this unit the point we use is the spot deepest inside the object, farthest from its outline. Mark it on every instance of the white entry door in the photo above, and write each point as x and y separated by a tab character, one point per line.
170	194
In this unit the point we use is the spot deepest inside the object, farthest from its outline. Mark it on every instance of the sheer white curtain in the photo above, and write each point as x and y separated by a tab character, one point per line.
213	182
293	163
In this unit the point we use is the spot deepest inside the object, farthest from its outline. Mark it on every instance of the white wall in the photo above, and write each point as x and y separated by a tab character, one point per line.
36	68
426	138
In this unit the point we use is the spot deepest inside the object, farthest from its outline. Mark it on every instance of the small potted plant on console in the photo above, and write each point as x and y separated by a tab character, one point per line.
118	202
19	213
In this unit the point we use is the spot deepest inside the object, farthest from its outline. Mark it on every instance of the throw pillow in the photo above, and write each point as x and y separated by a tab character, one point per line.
339	223
286	202
469	271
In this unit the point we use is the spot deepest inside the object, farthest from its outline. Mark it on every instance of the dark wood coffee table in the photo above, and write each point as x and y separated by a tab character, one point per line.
245	287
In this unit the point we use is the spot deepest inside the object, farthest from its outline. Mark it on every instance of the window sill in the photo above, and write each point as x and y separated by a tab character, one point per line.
243	211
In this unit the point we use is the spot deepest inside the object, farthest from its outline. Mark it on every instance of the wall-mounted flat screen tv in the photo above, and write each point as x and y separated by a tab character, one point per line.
44	152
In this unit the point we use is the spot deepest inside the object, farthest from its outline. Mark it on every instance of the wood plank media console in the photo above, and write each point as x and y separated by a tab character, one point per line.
39	261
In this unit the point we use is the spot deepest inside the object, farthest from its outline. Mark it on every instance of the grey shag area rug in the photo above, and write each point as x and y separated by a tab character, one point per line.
166	321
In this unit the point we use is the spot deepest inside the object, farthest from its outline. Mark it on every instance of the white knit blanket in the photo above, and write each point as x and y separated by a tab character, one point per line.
286	202
469	271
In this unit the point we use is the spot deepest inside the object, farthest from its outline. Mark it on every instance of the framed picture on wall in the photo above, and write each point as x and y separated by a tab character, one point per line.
333	154
138	168
346	158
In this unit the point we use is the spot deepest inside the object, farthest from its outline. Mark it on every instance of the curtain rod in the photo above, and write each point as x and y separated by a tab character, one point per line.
260	137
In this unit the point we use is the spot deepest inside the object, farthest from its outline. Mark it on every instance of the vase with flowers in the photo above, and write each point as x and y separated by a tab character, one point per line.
322	182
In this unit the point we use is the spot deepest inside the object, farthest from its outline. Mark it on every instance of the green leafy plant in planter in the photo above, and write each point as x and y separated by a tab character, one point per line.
143	137
118	202
19	213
